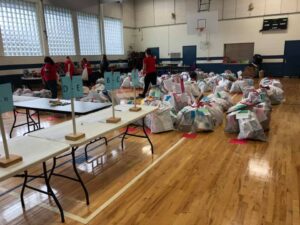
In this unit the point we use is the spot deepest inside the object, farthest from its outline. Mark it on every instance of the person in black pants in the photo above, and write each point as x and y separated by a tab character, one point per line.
149	70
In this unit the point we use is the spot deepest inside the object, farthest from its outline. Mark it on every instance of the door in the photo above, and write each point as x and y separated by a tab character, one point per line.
292	58
155	52
189	54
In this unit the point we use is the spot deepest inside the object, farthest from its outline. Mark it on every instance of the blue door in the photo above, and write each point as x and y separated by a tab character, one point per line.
292	58
155	52
189	54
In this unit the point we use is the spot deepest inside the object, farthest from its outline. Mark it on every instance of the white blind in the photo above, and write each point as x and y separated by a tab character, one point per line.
89	34
19	28
113	32
60	32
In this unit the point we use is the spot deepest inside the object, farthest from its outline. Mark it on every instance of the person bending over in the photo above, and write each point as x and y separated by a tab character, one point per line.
149	70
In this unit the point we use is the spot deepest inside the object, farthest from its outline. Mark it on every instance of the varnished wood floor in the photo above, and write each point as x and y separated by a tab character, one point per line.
204	181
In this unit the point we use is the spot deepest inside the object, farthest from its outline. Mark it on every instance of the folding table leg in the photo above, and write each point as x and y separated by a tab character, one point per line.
51	193
135	135
122	141
78	176
14	123
152	149
92	142
23	188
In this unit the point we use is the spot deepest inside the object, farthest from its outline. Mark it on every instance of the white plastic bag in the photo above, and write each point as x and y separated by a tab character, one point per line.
126	83
85	75
160	120
250	128
275	94
232	124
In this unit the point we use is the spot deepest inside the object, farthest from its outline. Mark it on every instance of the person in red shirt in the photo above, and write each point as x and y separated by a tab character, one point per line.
69	67
91	76
149	70
49	76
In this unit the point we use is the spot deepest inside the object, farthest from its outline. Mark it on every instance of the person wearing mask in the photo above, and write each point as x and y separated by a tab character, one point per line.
69	67
49	76
149	71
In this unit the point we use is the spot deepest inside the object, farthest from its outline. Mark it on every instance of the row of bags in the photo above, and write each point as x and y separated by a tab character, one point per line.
173	113
27	92
251	117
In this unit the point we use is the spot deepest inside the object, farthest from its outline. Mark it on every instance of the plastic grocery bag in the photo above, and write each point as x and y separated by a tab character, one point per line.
263	114
222	103
275	94
235	87
265	82
193	88
237	107
253	98
126	83
250	128
160	120
85	75
194	120
181	100
216	113
203	86
232	124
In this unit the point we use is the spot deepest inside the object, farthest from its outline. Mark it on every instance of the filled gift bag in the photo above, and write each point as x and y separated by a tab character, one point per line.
232	124
160	120
263	114
275	94
250	128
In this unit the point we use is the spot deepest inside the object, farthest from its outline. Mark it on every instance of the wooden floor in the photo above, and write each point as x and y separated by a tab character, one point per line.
205	181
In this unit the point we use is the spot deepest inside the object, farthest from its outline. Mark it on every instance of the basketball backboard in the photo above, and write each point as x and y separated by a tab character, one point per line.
202	21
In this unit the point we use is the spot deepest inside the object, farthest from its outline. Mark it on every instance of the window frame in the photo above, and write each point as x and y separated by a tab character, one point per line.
122	37
98	36
73	41
22	18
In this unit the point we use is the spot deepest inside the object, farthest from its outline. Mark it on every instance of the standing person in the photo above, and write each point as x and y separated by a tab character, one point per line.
149	70
69	67
87	71
104	64
49	76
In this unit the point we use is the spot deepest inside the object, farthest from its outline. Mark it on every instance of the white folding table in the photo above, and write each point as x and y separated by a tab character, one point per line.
33	151
43	105
94	126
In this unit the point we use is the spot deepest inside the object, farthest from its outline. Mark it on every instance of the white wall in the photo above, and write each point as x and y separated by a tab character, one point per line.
243	26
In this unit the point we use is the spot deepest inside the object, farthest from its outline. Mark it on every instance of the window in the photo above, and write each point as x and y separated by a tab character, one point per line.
238	53
113	32
89	34
19	28
60	33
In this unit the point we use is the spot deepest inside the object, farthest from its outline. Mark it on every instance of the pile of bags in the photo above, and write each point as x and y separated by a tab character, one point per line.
127	83
274	90
27	92
251	117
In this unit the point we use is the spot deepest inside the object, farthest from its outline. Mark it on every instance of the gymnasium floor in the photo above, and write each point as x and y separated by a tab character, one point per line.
205	181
